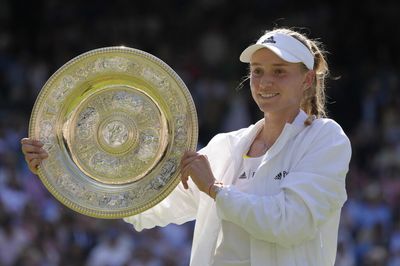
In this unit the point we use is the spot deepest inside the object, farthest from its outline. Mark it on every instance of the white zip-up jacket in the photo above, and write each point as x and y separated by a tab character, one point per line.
292	213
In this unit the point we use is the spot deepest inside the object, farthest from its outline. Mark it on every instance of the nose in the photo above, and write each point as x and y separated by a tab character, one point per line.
266	81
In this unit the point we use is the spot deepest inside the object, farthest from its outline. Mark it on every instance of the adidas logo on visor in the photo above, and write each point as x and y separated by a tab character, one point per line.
269	40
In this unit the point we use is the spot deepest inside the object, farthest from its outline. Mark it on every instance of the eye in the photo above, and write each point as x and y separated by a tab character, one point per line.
279	72
257	72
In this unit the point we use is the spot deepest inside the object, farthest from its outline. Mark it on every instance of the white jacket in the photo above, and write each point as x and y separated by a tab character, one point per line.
292	218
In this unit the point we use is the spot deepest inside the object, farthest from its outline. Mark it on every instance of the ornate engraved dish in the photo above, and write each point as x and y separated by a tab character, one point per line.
115	122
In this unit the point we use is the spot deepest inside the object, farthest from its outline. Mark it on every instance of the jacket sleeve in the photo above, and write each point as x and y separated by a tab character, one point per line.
312	191
178	207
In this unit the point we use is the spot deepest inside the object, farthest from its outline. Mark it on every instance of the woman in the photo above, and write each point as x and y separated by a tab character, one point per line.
269	194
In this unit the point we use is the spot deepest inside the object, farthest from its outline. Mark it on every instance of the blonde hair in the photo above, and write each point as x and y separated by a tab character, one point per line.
313	102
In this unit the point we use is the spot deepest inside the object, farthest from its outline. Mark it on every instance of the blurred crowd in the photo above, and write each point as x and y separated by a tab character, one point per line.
201	40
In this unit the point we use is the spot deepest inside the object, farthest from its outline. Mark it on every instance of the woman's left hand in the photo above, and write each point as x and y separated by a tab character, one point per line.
198	168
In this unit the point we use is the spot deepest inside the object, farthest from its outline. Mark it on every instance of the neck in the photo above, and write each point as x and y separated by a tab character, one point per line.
274	124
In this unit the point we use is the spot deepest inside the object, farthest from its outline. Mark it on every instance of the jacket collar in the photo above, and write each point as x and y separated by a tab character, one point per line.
250	134
298	122
242	142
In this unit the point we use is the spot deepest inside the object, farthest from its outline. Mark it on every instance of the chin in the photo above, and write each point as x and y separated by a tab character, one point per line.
267	109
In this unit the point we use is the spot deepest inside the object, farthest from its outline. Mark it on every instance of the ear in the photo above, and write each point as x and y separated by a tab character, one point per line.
308	79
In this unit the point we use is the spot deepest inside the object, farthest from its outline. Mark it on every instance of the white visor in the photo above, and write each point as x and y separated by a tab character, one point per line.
285	46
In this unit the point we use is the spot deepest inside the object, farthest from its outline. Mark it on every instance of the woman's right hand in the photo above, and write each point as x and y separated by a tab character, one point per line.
33	152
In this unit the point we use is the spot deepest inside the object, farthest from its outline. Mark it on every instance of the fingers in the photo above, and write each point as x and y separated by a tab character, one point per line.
186	165
186	159
190	153
189	157
29	148
185	176
184	179
34	164
185	182
37	156
31	142
33	160
34	153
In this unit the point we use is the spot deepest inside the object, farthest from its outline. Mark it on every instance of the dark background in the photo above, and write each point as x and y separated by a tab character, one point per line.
201	41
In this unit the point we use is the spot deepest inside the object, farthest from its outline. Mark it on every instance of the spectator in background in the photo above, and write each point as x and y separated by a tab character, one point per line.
13	241
113	249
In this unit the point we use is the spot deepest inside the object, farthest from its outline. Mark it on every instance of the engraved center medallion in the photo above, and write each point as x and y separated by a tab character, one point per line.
115	133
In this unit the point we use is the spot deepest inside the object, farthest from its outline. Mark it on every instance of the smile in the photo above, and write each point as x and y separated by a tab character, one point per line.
268	95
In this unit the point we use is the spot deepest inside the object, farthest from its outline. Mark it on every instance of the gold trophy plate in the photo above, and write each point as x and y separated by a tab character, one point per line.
115	122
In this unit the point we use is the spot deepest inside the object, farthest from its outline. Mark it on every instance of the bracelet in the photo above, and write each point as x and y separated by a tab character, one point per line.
212	184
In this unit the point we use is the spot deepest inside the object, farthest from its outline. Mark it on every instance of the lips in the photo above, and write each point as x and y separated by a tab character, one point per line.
268	95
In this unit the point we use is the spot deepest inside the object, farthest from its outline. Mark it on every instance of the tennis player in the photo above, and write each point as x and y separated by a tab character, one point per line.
269	194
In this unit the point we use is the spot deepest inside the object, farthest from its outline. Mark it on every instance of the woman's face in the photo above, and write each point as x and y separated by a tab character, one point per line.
276	85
